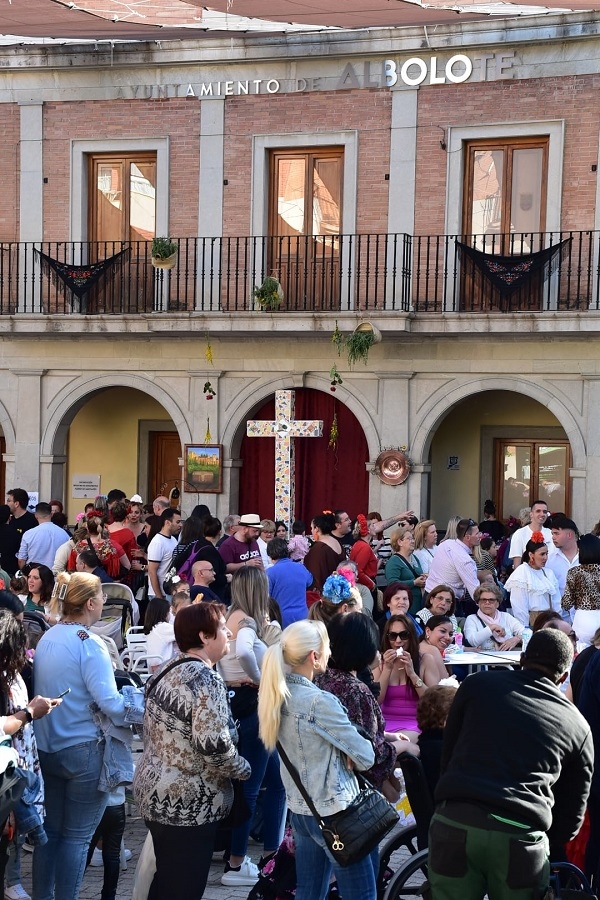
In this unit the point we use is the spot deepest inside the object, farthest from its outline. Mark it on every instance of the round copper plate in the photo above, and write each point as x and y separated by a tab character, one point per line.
392	467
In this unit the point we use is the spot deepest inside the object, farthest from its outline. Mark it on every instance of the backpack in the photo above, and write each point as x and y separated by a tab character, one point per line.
185	570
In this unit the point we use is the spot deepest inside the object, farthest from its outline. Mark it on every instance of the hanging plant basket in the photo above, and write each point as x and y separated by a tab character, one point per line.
164	253
270	294
360	342
369	328
167	263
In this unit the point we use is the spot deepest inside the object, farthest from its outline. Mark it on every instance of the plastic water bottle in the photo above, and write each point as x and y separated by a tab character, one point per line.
458	641
526	637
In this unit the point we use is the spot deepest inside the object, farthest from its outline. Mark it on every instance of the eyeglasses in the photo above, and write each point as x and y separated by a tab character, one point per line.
471	523
398	635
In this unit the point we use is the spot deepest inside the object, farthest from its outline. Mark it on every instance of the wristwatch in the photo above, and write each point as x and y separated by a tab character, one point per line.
418	683
28	714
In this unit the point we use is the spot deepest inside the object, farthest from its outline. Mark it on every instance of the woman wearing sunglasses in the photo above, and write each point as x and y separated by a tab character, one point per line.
400	684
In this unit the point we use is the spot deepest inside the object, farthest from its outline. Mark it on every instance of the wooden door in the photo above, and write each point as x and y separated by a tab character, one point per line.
305	216
122	213
525	471
165	471
504	213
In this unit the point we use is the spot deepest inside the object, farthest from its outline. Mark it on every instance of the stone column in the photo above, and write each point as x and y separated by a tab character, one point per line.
28	436
31	210
210	199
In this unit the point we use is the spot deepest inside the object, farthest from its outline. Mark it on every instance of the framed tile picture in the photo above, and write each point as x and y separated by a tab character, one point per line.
203	468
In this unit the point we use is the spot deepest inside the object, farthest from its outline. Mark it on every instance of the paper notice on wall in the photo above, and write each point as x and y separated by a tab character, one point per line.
85	486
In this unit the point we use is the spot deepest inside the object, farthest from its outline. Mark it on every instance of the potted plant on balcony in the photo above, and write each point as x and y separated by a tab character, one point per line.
360	342
270	294
164	253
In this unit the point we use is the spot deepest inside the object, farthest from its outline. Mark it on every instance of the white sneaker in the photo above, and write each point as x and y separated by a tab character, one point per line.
97	860
247	873
16	892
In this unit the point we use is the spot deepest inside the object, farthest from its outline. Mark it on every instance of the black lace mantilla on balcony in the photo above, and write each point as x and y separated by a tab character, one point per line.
509	273
81	279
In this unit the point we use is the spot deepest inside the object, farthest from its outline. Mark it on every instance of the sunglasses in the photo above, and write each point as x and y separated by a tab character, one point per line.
398	635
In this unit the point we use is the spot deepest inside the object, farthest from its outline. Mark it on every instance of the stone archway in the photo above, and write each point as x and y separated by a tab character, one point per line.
480	427
64	407
439	408
325	477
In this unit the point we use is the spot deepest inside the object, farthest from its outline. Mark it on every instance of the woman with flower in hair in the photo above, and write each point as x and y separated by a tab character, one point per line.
362	553
337	597
110	554
532	586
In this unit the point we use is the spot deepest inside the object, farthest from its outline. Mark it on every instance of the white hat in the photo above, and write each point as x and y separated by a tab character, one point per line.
250	520
136	499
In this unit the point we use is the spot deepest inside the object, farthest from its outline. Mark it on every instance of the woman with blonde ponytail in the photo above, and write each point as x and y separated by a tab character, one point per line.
73	661
322	744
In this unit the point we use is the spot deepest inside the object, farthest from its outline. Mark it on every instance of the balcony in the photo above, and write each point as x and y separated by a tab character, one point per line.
367	273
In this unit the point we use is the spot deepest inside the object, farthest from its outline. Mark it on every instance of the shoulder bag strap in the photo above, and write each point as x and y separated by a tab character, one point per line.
298	782
412	568
178	662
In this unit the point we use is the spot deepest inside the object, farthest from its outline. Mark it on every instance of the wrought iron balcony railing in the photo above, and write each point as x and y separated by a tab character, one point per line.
334	273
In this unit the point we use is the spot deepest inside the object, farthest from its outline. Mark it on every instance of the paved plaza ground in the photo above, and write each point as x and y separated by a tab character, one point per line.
135	835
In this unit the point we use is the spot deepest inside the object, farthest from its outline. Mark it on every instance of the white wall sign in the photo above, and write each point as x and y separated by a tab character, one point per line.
34	499
84	486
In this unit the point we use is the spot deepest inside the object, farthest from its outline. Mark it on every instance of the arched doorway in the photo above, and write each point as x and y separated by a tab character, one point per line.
124	436
326	477
500	445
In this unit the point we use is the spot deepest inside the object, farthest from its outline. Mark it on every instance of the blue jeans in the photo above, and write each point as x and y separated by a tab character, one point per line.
265	771
314	865
13	866
74	807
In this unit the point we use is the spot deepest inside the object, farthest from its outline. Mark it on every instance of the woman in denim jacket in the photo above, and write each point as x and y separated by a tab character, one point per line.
324	746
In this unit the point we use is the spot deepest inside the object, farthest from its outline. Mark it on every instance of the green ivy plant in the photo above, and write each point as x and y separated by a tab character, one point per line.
358	345
163	248
269	295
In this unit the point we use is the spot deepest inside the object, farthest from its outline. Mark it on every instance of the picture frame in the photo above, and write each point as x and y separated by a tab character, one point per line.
203	468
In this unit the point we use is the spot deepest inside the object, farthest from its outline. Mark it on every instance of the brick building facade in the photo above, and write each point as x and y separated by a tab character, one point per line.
347	165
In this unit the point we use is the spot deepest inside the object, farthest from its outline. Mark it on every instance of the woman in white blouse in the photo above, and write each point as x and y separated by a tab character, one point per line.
251	630
425	543
532	586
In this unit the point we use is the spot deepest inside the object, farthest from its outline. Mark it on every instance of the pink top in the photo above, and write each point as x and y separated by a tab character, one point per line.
400	708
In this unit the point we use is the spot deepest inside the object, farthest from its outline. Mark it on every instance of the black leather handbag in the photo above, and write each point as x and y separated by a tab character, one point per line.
352	833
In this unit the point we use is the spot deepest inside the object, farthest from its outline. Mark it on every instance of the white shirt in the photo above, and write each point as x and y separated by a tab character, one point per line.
160	550
425	557
523	535
560	565
161	644
453	565
262	546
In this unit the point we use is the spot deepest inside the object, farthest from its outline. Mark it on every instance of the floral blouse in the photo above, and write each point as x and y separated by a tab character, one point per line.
363	710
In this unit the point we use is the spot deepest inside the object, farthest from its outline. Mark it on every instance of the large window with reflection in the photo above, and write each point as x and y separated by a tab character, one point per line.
531	470
305	215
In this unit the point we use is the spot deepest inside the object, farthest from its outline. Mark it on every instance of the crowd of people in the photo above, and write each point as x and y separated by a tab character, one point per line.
334	641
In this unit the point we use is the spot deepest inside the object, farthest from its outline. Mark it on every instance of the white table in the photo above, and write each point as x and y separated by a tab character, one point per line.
475	659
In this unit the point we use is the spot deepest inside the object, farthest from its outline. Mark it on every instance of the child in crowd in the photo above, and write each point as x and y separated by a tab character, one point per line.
298	544
432	712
